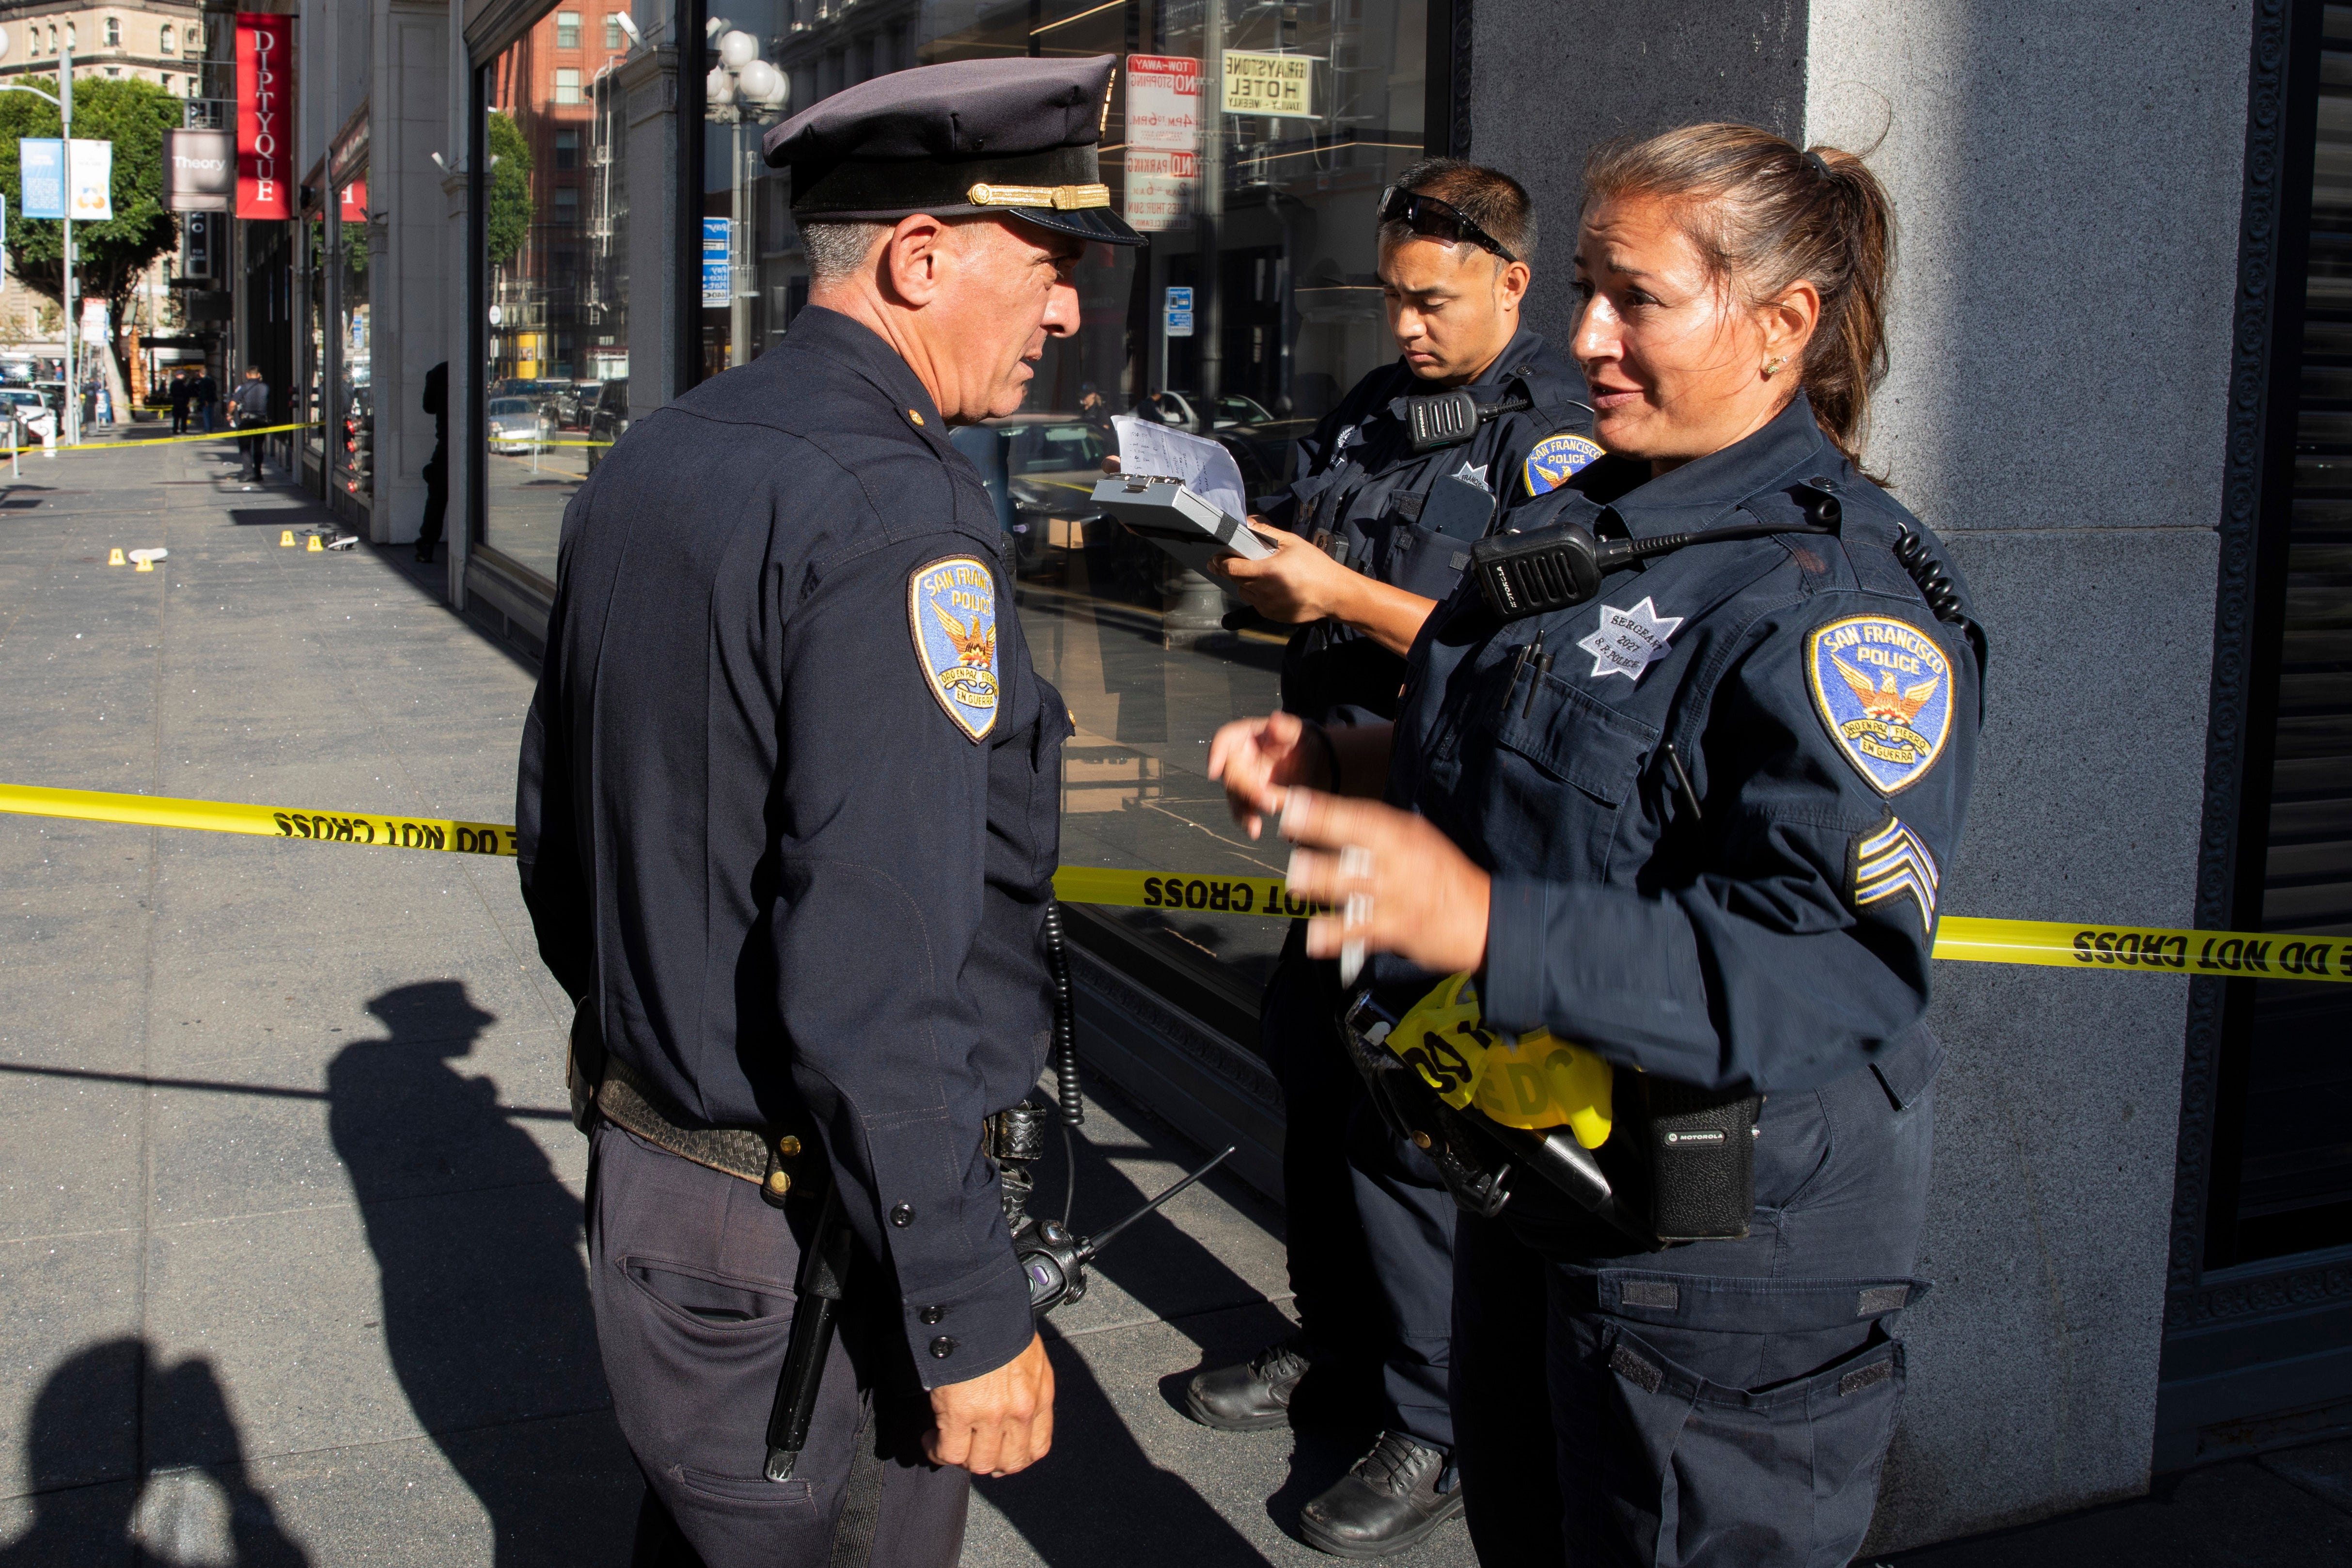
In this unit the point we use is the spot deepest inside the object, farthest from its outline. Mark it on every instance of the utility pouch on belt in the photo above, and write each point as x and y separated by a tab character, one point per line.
1700	1150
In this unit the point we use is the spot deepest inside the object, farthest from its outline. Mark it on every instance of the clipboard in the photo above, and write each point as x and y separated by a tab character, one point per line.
1166	514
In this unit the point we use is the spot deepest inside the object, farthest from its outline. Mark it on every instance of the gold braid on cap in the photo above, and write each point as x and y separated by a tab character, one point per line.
1061	198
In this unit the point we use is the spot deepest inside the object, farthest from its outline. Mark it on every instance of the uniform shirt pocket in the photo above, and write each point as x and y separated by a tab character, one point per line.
1550	734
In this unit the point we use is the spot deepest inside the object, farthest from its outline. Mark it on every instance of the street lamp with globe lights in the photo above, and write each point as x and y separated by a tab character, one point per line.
743	90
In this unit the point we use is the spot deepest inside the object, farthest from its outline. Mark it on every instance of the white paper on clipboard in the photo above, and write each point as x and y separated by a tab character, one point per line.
1208	470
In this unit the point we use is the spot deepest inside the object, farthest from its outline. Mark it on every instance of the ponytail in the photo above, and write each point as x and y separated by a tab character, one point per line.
1765	215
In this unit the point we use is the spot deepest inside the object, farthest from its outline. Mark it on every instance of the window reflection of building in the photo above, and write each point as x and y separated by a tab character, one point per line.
556	226
1266	216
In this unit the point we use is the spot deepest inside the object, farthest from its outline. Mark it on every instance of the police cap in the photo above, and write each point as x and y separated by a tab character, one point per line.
1009	136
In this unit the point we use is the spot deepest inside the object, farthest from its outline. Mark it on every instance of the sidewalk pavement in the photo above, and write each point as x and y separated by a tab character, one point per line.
290	1202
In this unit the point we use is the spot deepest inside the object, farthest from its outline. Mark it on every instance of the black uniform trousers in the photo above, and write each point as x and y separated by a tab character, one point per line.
1719	1405
691	1273
1371	1225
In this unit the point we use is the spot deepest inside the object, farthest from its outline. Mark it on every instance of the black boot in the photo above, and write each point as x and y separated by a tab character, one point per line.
1252	1396
425	552
1387	1502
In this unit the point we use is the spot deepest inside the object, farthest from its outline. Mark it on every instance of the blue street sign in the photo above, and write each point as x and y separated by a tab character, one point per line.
718	242
1178	316
41	161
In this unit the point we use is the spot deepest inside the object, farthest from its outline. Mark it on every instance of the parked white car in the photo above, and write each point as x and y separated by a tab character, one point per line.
516	425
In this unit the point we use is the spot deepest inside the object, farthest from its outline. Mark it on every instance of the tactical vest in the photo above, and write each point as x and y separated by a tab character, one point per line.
1409	517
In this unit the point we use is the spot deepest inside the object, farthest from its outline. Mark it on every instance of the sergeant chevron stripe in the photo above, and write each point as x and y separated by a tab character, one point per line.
1892	862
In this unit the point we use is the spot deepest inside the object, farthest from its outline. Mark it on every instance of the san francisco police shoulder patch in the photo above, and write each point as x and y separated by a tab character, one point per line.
952	614
1885	690
1558	459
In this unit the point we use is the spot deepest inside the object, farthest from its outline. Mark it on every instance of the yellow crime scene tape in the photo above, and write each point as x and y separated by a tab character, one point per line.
171	441
2057	944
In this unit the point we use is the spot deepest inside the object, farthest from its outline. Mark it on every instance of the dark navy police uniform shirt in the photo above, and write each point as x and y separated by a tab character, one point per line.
788	799
1409	519
1778	938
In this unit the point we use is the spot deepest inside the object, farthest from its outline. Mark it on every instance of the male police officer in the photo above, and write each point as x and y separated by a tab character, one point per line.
799	975
1376	532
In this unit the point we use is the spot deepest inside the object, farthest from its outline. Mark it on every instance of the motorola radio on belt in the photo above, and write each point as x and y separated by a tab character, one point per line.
1560	567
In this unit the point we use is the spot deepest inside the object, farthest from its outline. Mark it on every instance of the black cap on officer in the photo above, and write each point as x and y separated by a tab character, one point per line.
1009	136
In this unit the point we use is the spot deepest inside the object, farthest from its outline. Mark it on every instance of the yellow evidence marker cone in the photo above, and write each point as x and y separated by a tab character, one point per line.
116	558
315	545
144	565
286	538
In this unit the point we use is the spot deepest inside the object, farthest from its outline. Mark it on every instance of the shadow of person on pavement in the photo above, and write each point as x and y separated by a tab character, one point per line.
486	1314
195	1503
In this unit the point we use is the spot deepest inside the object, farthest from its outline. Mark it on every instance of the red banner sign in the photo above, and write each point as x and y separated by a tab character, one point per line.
265	67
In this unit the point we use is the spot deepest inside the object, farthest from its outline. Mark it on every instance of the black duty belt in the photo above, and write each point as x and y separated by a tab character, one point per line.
604	1085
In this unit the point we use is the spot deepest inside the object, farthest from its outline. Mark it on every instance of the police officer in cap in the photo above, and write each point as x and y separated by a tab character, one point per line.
1374	532
1650	898
788	833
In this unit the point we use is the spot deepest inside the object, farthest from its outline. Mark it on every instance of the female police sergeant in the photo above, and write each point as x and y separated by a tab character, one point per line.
1694	824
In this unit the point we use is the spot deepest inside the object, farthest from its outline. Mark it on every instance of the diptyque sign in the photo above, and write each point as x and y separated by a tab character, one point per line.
265	64
199	171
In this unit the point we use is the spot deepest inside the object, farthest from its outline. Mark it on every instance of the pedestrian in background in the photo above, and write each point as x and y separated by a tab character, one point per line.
180	390
205	395
436	468
249	408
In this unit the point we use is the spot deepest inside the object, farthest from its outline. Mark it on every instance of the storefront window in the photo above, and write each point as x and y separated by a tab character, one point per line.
353	427
557	333
312	405
1250	142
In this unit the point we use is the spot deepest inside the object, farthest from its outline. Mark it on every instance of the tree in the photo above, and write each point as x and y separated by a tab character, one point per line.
508	222
116	254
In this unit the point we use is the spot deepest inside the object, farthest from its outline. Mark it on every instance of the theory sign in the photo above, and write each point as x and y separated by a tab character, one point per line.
264	145
199	171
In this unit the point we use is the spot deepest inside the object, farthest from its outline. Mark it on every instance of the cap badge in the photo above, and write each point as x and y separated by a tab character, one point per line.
916	416
1061	198
951	613
1557	459
1884	691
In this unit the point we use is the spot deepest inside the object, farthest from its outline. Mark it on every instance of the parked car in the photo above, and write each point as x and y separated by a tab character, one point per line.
608	421
576	402
517	425
1260	442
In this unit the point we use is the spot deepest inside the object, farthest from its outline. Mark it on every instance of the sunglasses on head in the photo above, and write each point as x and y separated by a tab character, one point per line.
1435	219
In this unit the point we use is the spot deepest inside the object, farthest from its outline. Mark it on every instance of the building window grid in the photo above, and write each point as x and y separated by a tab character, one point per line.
168	40
567	29
113	32
613	30
567	85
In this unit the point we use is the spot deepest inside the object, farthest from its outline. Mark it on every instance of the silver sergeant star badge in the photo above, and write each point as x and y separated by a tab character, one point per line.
1629	639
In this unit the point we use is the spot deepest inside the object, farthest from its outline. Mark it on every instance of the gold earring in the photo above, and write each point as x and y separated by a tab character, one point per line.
1772	367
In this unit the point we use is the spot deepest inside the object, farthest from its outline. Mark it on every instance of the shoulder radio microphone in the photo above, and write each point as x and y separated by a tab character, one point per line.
1560	567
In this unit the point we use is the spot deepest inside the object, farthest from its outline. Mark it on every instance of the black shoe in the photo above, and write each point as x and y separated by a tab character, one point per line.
1252	1396
424	554
1387	1502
